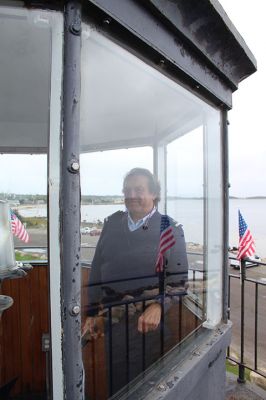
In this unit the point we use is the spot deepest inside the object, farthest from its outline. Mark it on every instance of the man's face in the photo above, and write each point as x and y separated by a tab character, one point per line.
138	199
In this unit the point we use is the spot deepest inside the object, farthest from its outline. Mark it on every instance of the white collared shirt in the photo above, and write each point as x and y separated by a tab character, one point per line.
132	226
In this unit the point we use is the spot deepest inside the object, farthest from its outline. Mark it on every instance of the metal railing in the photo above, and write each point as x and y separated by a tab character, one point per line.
140	303
242	361
143	302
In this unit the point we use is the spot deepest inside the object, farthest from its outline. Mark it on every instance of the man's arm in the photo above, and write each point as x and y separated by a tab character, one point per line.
176	277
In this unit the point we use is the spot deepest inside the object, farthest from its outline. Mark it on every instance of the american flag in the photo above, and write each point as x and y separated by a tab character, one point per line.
246	247
18	229
167	240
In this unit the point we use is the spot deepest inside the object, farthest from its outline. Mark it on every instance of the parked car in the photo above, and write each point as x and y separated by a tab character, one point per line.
95	232
234	263
85	230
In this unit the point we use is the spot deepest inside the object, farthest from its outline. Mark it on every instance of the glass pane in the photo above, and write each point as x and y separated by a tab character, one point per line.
101	192
142	293
24	188
26	48
185	202
24	85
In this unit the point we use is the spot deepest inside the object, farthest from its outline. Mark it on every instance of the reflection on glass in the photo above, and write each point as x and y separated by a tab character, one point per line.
101	191
24	189
25	58
132	311
125	102
138	272
25	55
185	201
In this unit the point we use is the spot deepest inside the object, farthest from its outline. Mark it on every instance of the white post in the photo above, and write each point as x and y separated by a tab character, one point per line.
54	222
159	167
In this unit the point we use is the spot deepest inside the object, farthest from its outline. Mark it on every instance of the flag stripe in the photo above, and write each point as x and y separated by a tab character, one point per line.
246	242
167	240
18	229
168	246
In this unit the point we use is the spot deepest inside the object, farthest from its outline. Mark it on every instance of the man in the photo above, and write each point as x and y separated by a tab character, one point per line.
125	270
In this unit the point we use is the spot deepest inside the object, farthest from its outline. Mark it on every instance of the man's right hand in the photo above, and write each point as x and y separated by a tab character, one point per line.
93	327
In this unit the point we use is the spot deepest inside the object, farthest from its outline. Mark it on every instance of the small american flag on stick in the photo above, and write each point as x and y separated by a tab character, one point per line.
167	240
246	247
18	229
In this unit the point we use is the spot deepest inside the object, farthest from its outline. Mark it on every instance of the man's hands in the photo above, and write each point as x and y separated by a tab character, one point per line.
150	319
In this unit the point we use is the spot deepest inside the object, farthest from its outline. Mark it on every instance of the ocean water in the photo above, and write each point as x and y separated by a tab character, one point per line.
190	214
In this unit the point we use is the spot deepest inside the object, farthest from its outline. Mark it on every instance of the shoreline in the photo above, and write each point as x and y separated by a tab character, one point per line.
38	237
254	215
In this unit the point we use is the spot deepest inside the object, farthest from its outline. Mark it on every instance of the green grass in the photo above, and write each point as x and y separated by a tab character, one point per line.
35	222
233	369
26	257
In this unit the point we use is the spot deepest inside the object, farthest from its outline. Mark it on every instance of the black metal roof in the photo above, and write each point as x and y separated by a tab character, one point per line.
206	25
195	37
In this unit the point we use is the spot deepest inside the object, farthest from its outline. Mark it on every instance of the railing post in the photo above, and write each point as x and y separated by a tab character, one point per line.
241	367
162	298
256	327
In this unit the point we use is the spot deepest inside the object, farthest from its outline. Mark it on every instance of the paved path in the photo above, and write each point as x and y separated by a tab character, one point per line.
242	391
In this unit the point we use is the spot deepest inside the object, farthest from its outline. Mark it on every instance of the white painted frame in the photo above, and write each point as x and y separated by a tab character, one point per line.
54	158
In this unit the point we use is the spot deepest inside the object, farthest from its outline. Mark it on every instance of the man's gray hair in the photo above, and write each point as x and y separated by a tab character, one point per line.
153	183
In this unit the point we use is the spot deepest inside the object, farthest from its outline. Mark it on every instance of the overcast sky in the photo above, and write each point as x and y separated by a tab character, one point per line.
247	135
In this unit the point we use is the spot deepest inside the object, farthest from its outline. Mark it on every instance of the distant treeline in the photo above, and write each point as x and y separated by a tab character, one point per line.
95	199
23	198
89	199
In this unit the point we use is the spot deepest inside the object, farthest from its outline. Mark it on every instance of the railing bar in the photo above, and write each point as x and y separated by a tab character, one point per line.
110	347
241	369
127	343
229	311
161	278
143	342
229	296
256	281
247	367
133	278
180	321
162	328
93	357
241	363
256	329
140	299
194	280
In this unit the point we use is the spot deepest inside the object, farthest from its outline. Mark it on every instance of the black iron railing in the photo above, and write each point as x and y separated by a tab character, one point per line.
109	323
252	363
242	361
196	278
